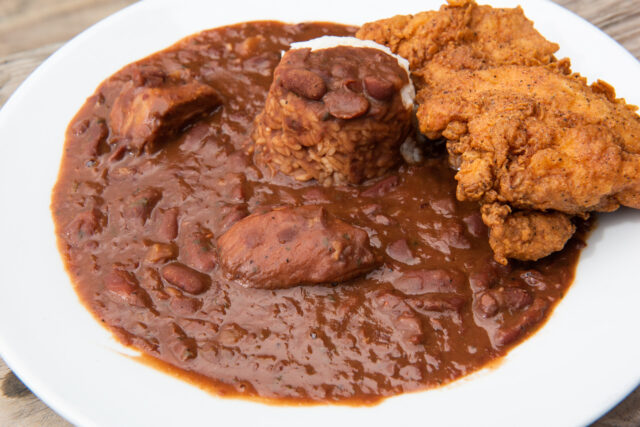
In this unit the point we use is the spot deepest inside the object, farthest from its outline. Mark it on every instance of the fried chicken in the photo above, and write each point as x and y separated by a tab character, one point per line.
536	138
525	235
462	35
532	142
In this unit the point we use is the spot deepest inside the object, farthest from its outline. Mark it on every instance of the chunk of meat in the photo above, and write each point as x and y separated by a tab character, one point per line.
230	215
525	235
161	252
294	246
142	116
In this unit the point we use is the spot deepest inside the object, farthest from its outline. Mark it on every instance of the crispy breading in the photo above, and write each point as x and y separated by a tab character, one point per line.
536	138
533	143
525	235
463	35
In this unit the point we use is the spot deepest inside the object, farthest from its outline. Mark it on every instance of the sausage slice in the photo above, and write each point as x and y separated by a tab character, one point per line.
294	246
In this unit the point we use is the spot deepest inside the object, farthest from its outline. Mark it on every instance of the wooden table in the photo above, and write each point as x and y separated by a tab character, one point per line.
31	30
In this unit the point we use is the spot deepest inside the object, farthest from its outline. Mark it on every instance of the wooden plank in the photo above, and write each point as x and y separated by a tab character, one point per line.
28	24
626	414
17	66
30	30
20	407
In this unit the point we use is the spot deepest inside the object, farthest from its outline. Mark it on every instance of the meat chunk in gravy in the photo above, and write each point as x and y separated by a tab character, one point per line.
294	246
142	116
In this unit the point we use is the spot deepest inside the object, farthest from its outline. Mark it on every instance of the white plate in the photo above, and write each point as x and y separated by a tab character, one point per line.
584	360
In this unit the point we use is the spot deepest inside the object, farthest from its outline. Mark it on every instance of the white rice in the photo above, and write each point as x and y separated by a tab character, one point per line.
407	92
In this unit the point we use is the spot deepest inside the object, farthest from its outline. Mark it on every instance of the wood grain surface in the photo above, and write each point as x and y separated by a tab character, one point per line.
31	30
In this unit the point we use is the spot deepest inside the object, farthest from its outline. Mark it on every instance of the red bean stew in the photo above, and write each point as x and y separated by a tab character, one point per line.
145	229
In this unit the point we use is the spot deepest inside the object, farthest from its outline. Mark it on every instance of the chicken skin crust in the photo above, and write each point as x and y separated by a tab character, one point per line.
533	143
535	138
462	35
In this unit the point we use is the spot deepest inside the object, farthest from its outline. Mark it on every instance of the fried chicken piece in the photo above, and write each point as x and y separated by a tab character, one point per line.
464	36
536	138
525	235
532	142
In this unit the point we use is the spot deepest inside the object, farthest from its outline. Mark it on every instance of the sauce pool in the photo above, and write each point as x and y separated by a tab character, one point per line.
437	308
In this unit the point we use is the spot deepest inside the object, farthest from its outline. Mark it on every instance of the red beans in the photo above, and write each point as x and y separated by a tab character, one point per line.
168	224
489	302
437	303
401	315
84	225
534	279
475	226
93	133
487	305
516	298
185	278
345	104
381	187
304	83
508	334
141	205
181	346
184	305
196	249
429	281
400	251
378	87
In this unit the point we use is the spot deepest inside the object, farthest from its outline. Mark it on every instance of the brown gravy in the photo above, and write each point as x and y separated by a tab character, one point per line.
437	309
